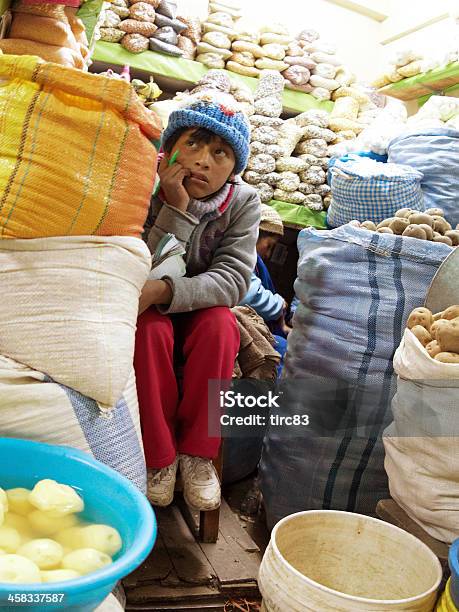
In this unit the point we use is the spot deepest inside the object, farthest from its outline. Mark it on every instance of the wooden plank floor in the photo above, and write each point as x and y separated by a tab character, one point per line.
183	574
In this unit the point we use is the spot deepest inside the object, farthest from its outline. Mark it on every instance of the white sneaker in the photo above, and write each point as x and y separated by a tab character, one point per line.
161	484
201	486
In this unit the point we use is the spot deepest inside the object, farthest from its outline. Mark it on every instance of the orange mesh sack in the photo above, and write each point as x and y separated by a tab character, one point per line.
76	152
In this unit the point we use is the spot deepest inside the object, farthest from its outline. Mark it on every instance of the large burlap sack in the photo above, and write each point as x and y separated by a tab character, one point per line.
34	407
367	190
422	443
356	291
69	309
435	154
76	156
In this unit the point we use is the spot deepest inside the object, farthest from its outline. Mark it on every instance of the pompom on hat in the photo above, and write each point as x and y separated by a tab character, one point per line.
271	221
218	113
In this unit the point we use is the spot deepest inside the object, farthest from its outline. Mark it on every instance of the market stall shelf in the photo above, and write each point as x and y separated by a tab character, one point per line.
441	80
296	216
180	74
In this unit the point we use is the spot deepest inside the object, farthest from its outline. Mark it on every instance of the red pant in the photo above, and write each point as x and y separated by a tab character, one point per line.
208	342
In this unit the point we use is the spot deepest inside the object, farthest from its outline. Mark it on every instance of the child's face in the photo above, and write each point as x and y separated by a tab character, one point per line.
265	246
211	164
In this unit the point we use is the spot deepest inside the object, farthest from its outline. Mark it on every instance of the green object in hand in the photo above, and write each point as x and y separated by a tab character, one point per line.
173	159
171	162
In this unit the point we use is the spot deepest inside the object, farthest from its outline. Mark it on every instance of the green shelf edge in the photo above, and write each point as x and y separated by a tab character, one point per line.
191	72
427	79
4	6
299	215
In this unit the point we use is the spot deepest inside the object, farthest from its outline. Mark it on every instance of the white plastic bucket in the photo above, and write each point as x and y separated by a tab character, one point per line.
332	561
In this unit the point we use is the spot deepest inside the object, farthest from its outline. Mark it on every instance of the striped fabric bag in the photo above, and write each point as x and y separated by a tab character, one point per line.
367	190
356	290
76	156
34	407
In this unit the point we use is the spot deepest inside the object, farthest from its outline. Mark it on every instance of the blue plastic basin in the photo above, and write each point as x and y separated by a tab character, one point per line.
453	562
109	498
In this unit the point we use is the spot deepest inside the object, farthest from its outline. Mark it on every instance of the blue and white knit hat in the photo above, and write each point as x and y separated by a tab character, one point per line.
219	113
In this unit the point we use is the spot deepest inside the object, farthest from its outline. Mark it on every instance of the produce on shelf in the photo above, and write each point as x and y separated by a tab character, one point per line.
264	150
218	33
404	64
429	225
49	31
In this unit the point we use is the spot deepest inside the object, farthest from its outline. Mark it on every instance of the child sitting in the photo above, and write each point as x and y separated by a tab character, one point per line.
205	204
262	295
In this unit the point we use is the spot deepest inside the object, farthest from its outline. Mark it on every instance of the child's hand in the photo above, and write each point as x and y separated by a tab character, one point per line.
154	292
171	178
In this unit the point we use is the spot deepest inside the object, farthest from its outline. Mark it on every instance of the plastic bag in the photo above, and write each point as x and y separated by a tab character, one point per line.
270	106
166	35
327	71
322	83
168	8
262	163
314	146
243	58
111	34
271	84
321	94
204	47
265	191
290	164
265	134
221	19
269	64
297	75
212	60
164	47
163	22
132	26
293	197
347	108
313	117
288	181
217	39
240	69
274	51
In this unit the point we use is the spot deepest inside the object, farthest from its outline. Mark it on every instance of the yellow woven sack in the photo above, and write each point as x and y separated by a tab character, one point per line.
76	156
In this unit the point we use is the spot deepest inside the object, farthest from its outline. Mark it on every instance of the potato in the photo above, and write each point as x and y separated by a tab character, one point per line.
385	223
422	334
452	312
435	212
384	230
438	316
428	230
53	497
18	500
21	524
69	538
443	239
447	338
18	570
101	537
420	316
414	231
440	225
404	213
10	539
3	500
45	553
433	348
420	218
369	225
453	235
47	525
85	560
435	327
399	225
445	357
59	575
2	516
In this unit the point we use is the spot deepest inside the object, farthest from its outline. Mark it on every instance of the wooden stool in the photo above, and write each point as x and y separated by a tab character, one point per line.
209	521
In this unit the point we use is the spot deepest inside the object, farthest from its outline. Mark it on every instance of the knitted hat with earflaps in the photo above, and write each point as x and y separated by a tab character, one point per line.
219	113
271	220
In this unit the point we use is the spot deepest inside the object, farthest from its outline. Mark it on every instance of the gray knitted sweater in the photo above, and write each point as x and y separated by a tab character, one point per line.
220	249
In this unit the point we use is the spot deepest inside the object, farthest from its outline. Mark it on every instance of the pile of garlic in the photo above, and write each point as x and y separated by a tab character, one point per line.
43	540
